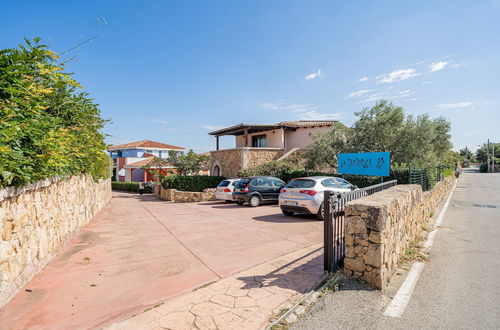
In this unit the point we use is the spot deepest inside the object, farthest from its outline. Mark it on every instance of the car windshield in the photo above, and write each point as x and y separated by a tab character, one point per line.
223	184
242	183
301	183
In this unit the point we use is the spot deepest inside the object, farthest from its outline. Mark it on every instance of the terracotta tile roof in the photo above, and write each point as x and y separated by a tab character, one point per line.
145	162
144	144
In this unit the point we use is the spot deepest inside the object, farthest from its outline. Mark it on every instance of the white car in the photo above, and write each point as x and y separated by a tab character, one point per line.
225	190
305	195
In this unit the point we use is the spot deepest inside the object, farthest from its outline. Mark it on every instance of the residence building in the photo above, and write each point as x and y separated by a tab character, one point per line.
135	161
261	143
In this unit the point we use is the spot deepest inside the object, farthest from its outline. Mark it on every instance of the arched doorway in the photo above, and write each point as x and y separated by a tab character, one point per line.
216	170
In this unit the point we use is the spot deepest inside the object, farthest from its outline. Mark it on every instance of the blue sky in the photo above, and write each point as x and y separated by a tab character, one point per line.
172	71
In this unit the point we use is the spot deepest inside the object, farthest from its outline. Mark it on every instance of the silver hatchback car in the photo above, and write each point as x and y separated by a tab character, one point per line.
305	195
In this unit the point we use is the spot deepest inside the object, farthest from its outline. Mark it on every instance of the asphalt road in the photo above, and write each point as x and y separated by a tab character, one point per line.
459	288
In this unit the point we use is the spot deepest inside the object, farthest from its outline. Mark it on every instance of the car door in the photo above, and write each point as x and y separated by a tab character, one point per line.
277	184
266	188
258	186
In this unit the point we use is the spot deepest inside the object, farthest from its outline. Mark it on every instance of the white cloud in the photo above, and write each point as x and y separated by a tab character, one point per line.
314	75
363	79
156	120
302	111
313	115
456	65
212	127
455	105
359	93
438	66
397	75
390	95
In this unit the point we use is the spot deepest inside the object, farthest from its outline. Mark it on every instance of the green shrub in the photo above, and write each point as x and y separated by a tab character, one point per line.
191	182
48	126
287	172
483	168
125	186
448	172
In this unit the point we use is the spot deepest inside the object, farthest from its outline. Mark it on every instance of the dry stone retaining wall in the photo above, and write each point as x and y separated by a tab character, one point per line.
379	228
177	196
36	220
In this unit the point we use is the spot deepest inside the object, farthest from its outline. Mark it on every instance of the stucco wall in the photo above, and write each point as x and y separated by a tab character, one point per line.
35	221
379	228
302	137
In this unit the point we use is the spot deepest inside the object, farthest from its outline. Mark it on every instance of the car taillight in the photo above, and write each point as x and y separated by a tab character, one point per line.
246	188
282	191
227	190
308	192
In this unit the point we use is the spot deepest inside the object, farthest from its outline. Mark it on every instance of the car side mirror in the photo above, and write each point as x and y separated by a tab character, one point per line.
354	187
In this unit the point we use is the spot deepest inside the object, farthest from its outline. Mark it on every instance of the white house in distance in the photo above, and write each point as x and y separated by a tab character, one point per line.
261	143
130	158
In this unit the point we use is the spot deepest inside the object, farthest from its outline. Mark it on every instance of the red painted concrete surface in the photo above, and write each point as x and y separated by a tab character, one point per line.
139	251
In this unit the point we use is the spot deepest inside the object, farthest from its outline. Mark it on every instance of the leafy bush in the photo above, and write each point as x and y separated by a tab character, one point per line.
191	182
125	186
286	172
279	169
47	126
483	168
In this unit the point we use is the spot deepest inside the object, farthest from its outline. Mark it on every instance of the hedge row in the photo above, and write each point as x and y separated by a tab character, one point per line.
125	186
191	182
287	171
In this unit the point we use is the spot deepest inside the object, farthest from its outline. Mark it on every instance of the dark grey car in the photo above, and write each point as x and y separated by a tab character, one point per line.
257	189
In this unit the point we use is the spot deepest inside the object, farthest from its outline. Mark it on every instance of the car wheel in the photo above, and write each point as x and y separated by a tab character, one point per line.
319	215
287	212
240	202
254	201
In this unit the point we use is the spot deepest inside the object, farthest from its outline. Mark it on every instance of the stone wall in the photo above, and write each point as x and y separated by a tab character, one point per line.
35	221
177	196
379	228
231	161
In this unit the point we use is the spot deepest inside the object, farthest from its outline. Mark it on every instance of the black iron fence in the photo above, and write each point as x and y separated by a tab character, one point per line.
334	229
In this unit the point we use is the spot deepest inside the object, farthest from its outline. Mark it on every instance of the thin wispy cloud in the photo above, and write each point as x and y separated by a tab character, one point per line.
302	111
314	75
457	105
160	121
176	129
438	66
397	75
390	94
363	79
212	127
359	93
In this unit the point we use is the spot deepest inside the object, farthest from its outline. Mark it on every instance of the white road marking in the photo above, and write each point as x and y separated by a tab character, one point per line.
398	304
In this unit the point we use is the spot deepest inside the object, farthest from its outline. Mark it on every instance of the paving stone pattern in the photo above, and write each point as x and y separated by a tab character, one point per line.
247	300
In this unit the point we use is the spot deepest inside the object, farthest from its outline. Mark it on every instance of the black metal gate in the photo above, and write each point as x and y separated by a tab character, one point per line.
334	234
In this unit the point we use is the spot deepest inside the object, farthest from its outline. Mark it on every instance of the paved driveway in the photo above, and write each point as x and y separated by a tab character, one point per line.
138	252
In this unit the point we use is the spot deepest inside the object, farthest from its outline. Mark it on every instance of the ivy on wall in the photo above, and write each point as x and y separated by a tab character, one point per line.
48	125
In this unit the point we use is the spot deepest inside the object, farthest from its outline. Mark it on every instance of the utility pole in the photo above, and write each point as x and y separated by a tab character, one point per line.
488	155
493	170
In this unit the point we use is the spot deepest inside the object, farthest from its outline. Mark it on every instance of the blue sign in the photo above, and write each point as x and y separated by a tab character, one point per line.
368	163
